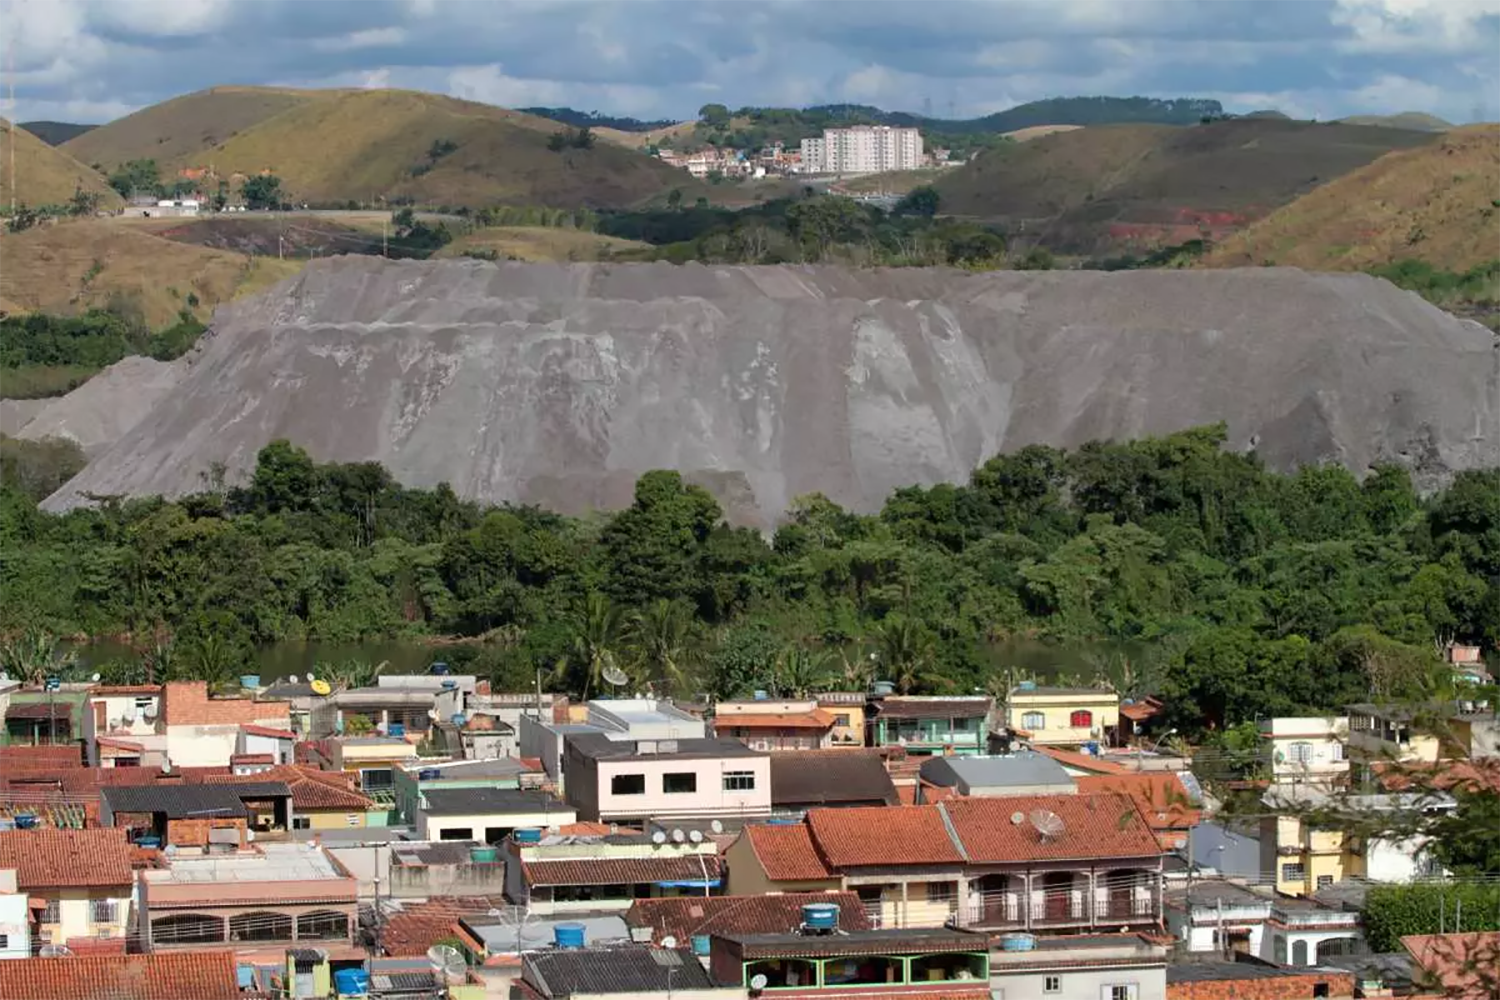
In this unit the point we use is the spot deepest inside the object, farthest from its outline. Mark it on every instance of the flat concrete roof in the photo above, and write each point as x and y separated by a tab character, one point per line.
273	863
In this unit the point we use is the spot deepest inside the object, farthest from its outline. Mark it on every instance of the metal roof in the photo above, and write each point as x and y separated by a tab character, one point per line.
187	801
1025	769
630	971
476	801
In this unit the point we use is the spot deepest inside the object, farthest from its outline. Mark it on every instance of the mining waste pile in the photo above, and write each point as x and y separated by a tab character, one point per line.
559	384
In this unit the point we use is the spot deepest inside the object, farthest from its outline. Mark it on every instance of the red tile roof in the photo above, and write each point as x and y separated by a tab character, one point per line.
683	916
1444	776
1104	825
816	719
1463	965
13	759
250	729
112	689
418	926
1082	761
311	788
189	975
622	871
52	859
895	835
786	853
1160	795
933	708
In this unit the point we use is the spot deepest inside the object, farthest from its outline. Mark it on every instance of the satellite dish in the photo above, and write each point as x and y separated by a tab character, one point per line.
1016	818
716	827
311	677
54	951
321	688
447	960
166	767
1047	823
678	836
170	850
669	942
659	837
615	676
758	981
95	677
696	836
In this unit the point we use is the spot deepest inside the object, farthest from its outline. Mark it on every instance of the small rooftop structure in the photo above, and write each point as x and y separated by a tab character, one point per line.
1026	772
267	863
632	971
599	747
490	801
804	778
194	801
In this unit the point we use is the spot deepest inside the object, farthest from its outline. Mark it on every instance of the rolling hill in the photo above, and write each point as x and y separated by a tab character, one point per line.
1109	186
1438	203
176	132
46	175
56	133
1416	121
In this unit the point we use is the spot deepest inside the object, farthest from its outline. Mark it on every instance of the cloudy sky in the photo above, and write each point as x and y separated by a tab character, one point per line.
93	60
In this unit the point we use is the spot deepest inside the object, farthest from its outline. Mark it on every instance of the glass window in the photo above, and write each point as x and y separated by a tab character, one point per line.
679	782
1034	721
4	942
1081	719
628	784
1122	991
1293	873
1324	881
841	720
1336	752
941	892
322	925
739	781
301	823
1052	984
1299	753
51	914
102	911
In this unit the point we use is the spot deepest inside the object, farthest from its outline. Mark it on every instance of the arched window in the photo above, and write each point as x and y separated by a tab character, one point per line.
187	928
1081	719
262	926
1033	721
324	925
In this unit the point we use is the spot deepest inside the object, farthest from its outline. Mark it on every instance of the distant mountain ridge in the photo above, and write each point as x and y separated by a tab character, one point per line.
593	119
55	133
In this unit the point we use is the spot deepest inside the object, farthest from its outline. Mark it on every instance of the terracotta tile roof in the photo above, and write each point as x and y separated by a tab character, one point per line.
893	835
251	729
111	689
1104	825
39	710
311	788
1463	965
932	708
786	853
816	719
44	758
52	859
585	829
116	743
1160	795
1444	776
683	916
1082	761
622	871
1140	711
189	975
418	926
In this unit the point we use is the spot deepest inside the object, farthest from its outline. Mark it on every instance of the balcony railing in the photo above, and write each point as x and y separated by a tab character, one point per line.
1009	910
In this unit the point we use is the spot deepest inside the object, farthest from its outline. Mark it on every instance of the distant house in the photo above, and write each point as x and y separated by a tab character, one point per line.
775	725
802	781
1061	716
82	879
1024	773
561	873
685	918
207	731
624	781
925	726
585	973
488	815
1305	749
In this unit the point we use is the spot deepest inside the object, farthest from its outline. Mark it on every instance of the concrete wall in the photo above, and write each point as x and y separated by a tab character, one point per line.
1080	983
709	799
1057	711
75	913
14	923
433	827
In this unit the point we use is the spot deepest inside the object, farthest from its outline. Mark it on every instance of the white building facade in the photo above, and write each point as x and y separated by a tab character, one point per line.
862	149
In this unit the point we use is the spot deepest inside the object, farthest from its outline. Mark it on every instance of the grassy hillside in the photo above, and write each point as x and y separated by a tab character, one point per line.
174	133
71	266
1106	186
1416	121
56	133
1438	203
541	243
44	175
366	145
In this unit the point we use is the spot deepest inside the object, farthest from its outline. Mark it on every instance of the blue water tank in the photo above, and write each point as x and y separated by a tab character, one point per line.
528	836
25	821
700	944
820	916
429	774
458	719
351	982
449	685
1017	942
569	935
761	696
438	668
1026	686
396	729
150	841
883	688
250	681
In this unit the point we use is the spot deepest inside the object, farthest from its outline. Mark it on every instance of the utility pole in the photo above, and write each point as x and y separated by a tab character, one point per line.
385	226
10	81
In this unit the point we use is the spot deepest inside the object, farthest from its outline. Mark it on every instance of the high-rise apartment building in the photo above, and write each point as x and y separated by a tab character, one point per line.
862	149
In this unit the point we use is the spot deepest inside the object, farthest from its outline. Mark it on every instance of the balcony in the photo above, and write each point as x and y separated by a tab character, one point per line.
1010	912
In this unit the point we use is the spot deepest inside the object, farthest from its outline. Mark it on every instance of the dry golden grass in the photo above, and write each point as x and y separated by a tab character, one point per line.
1038	131
175	133
538	243
68	267
46	175
640	140
1439	203
890	182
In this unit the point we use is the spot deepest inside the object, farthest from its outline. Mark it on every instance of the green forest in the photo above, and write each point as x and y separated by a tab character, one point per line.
1250	592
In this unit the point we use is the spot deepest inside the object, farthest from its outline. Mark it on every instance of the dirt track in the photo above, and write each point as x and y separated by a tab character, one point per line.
559	384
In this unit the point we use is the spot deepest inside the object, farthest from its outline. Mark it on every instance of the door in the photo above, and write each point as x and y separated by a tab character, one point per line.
1057	896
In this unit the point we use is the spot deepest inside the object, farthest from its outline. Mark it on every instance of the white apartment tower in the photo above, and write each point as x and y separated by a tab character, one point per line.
862	149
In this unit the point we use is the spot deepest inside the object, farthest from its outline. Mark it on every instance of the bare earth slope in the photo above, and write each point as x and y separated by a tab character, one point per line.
97	413
46	175
558	384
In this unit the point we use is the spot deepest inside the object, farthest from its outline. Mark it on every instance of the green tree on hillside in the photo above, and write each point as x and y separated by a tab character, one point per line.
715	116
137	177
923	200
262	192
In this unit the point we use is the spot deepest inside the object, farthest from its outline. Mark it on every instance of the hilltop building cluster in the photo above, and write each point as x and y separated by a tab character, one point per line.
843	152
425	837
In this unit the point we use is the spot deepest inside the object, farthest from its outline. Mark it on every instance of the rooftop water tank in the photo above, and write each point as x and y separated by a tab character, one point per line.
483	855
429	774
1026	686
150	841
396	729
438	668
449	685
883	688
701	944
568	935
1017	942
761	696
351	982
458	719
820	916
250	681
528	836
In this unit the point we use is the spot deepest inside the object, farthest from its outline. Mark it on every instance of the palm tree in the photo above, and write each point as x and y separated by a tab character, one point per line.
596	633
350	673
158	661
907	651
210	658
32	657
857	668
800	671
660	636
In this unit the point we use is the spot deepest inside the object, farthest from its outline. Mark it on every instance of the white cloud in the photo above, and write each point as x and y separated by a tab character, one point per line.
371	38
1414	25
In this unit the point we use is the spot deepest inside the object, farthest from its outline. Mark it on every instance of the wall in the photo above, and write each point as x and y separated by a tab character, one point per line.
852	734
747	878
333	819
432	827
1058	709
13	924
709	800
75	913
1082	983
202	746
279	749
195	832
1339	984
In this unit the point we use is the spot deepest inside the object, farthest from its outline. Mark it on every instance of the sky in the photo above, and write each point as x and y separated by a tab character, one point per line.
95	60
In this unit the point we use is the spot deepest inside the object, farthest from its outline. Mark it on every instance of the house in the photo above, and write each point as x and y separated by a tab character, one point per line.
1304	932
37	717
806	963
420	869
848	708
1108	966
584	973
621	719
562	873
488	815
1305	749
777	858
203	975
1458	966
925	726
481	736
264	898
1213	980
197	815
802	780
320	800
775	725
692	919
205	731
81	878
497	941
902	861
15	917
1384	733
1169	800
412	779
389	711
264	742
1218	917
1062	716
1022	773
120	726
374	759
625	781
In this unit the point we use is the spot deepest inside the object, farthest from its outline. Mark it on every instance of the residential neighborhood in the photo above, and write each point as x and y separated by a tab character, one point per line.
292	840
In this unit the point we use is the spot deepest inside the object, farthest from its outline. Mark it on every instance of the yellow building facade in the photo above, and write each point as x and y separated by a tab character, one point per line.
1054	716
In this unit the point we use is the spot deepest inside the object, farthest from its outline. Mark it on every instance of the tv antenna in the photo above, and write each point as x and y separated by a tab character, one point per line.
448	962
1048	824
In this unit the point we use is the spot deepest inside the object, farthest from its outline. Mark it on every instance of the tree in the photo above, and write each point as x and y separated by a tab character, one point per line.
923	201
906	651
221	196
33	656
596	635
23	218
262	192
674	199
659	635
83	202
801	672
136	177
715	116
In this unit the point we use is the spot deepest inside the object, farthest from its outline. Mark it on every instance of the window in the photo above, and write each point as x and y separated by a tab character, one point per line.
187	928
4	942
322	925
1081	719
260	927
941	892
1324	881
301	823
1300	753
457	833
739	781
1052	984
841	720
1034	721
1336	752
1293	873
102	911
628	784
146	705
50	915
1120	991
679	782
